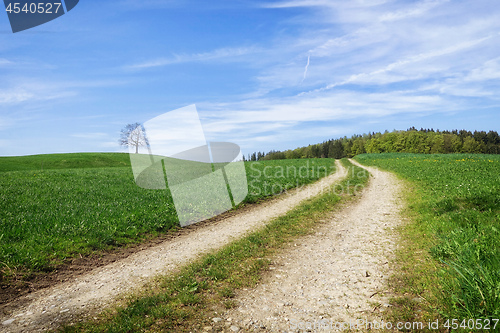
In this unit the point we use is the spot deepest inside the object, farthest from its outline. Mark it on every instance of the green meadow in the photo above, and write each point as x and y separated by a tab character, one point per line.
59	206
456	205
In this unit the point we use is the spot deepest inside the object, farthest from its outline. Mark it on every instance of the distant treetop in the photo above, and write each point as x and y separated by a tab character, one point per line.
423	141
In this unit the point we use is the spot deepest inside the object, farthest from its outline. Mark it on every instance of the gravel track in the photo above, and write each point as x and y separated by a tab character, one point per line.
336	275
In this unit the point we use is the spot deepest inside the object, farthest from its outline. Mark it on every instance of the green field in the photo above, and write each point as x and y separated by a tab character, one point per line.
54	207
458	207
64	161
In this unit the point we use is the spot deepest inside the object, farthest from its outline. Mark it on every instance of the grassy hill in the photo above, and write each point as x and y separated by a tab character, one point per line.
64	161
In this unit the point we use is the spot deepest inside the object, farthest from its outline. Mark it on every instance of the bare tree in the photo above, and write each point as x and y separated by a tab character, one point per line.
134	135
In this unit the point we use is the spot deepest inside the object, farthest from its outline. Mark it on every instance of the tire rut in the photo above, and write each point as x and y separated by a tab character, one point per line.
336	275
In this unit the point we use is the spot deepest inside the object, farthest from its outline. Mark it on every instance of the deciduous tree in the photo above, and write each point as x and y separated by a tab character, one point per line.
134	135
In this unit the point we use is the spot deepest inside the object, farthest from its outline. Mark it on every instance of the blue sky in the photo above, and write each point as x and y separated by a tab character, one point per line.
273	74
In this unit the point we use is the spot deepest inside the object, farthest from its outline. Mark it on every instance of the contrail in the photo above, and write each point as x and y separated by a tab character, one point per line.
307	66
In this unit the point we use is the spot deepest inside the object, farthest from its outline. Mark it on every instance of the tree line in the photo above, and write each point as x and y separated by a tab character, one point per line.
423	141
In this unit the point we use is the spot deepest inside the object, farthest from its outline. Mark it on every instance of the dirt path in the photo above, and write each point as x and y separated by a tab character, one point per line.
337	275
46	309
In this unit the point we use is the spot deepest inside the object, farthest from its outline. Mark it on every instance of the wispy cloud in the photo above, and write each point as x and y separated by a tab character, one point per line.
298	3
323	3
110	144
247	119
149	3
10	119
382	76
490	70
219	54
386	46
97	135
418	9
23	89
300	69
32	92
307	67
4	62
14	96
4	122
373	61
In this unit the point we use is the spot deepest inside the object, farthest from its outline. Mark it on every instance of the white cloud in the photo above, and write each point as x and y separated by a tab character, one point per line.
4	62
30	93
10	119
223	53
134	4
490	70
418	9
281	123
369	62
404	69
5	122
97	136
22	90
299	3
307	67
110	144
482	81
385	42
364	60
14	96
263	117
324	3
